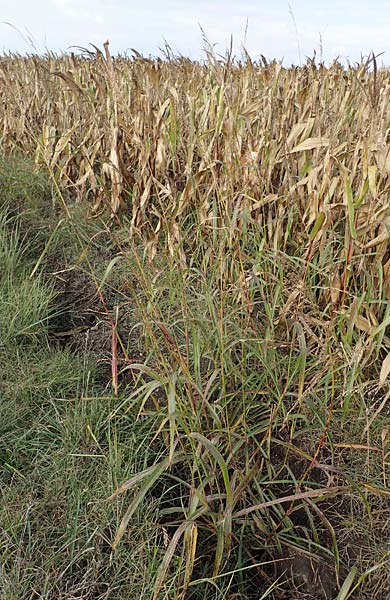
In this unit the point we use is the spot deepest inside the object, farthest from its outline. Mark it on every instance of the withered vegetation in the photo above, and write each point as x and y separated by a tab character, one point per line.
244	293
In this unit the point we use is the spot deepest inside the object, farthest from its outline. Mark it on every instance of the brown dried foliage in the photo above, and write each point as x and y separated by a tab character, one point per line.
228	141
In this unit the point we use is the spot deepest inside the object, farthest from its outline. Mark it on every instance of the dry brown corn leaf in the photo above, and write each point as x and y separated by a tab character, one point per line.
311	144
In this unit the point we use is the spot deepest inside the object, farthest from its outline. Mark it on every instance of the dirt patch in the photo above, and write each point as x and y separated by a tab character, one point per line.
307	577
341	520
84	323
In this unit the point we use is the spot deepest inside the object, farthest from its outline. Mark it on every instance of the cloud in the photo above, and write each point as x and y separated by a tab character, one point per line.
82	10
348	27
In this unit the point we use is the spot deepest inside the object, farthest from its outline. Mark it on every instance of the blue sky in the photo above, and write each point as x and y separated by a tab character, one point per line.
276	28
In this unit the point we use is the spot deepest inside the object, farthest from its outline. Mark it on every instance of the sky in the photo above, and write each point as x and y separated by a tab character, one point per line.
289	30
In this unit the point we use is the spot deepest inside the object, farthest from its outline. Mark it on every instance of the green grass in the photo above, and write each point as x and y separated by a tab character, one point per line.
236	387
60	455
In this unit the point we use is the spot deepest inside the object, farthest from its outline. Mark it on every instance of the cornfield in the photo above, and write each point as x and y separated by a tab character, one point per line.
231	140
